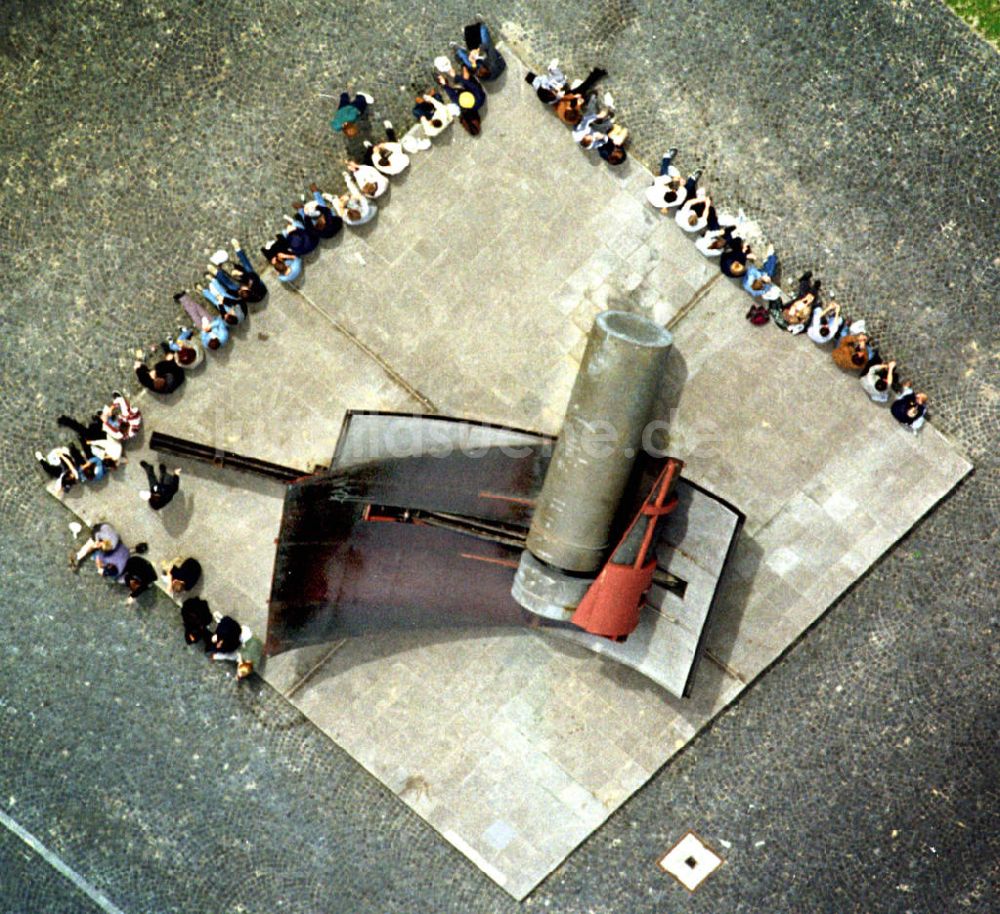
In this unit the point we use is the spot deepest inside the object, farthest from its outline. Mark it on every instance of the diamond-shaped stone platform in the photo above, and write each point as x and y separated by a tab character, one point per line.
471	294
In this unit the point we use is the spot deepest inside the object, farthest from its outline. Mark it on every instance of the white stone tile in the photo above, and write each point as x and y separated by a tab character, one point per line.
690	861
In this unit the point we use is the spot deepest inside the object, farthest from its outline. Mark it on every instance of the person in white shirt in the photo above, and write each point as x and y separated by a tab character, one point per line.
825	324
353	207
435	116
388	156
371	181
718	231
666	191
692	216
549	87
877	382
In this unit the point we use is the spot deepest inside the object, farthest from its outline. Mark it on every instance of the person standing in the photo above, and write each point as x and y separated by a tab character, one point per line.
910	408
161	491
877	382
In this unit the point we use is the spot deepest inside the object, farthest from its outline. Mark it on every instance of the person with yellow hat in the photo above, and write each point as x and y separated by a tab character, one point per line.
468	95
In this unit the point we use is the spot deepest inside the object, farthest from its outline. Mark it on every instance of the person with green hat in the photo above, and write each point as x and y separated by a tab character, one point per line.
349	112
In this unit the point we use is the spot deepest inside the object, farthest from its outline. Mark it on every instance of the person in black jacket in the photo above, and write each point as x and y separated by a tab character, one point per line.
197	617
137	577
163	378
244	279
181	575
324	220
226	637
161	490
733	261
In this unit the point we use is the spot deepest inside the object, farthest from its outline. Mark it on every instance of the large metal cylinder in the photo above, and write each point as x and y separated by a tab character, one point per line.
608	410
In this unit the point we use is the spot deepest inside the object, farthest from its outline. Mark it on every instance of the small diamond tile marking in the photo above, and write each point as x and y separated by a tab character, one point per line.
690	861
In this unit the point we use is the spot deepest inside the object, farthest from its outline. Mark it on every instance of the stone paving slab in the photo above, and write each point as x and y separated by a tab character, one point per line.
473	291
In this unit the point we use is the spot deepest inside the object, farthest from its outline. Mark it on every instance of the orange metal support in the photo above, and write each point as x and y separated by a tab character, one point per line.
611	605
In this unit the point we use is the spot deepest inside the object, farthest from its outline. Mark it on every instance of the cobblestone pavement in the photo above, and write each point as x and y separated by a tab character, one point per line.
28	883
859	774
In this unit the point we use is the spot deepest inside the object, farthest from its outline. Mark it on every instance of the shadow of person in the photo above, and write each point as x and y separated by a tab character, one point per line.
174	397
445	138
495	86
176	516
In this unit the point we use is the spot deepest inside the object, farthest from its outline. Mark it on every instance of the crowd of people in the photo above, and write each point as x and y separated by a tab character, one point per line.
231	285
577	105
99	446
805	312
224	638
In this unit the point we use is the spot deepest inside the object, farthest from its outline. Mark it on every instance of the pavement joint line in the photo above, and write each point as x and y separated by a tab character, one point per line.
726	668
64	869
314	669
426	402
690	305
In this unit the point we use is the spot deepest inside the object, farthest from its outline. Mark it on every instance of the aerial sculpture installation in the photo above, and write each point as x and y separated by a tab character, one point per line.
430	522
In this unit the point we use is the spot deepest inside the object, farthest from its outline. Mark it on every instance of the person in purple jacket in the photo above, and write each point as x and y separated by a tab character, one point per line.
214	332
111	552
